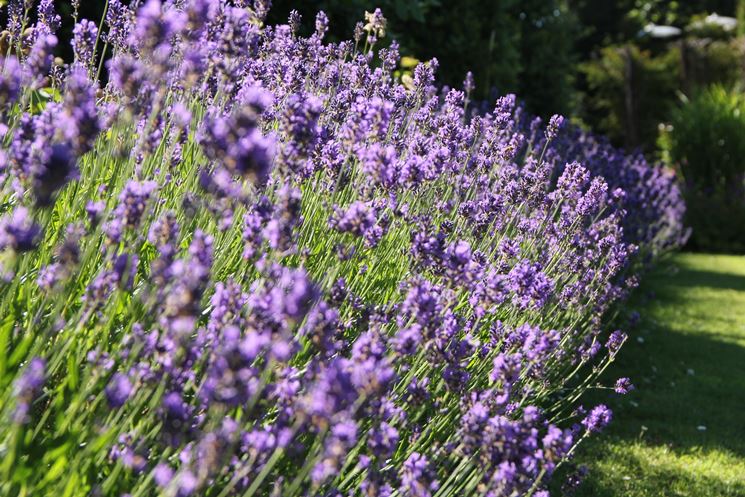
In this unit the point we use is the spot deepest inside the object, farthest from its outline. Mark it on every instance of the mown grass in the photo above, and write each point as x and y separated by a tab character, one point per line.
682	432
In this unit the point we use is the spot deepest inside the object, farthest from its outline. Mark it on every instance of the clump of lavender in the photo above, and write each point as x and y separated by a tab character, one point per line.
269	266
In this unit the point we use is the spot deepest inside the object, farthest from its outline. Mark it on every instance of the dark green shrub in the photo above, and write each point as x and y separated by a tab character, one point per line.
706	142
630	91
707	61
716	220
547	35
705	138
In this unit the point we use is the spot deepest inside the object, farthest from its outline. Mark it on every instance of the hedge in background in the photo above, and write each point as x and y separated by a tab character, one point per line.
705	140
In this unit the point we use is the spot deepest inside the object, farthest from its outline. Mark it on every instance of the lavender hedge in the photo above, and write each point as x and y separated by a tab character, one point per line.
253	263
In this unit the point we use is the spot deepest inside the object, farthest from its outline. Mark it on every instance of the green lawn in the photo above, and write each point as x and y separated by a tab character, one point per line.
682	432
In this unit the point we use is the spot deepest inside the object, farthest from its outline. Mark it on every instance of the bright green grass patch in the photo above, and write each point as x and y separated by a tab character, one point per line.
682	432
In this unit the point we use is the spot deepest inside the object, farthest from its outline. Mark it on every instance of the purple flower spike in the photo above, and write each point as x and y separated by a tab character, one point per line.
554	125
10	82
27	387
118	390
18	232
598	418
85	34
623	386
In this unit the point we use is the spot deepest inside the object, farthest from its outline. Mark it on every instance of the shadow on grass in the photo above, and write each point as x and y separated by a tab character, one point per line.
687	358
689	277
691	393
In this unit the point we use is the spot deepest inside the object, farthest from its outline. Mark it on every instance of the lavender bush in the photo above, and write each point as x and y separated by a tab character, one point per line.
258	264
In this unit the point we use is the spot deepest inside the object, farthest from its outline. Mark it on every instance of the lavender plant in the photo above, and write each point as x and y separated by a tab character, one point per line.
254	263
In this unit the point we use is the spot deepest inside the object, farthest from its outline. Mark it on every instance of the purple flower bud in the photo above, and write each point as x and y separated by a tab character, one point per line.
468	84
10	82
48	17
155	26
40	59
18	232
322	24
186	484
80	123
85	34
417	479
27	387
382	440
598	418
118	390
623	386
554	125
133	201
162	474
237	142
94	211
58	168
615	341
119	21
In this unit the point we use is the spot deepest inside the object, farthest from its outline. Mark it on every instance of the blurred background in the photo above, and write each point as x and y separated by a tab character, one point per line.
663	77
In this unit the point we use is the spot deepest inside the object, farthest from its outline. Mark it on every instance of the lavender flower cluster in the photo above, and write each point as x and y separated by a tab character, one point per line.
256	263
